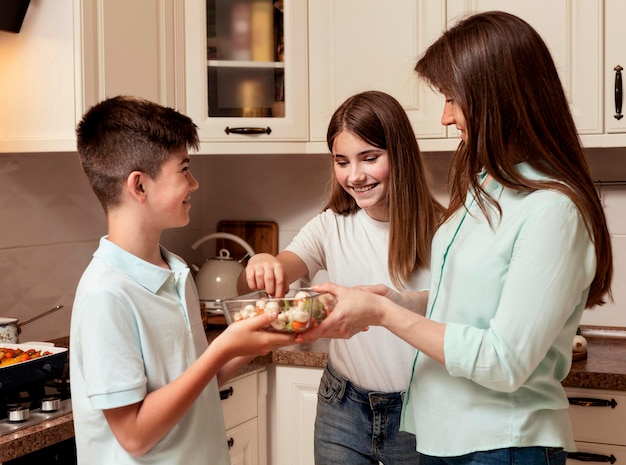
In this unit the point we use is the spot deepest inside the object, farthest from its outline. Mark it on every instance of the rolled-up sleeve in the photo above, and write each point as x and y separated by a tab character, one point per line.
533	293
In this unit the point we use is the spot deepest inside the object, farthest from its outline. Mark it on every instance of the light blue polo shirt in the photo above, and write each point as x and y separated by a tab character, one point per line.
512	298
135	328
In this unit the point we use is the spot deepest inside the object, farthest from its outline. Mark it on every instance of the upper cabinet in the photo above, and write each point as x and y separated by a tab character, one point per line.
614	69
246	71
268	74
358	45
573	31
129	48
40	82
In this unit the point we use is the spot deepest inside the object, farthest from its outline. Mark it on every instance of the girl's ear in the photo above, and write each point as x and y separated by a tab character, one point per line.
134	185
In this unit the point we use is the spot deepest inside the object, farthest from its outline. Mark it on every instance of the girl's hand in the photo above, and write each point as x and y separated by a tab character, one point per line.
265	272
385	291
413	300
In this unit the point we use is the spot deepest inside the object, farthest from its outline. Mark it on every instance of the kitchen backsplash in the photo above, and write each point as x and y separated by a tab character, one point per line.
51	221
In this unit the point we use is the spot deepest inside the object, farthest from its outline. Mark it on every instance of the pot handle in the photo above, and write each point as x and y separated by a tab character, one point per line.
232	237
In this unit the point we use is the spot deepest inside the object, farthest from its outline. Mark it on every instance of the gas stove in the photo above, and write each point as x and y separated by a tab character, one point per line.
23	416
34	403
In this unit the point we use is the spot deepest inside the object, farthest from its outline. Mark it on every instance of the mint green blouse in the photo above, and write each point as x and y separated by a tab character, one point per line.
511	298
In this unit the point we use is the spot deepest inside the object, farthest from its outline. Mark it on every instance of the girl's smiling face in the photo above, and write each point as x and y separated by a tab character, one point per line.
363	171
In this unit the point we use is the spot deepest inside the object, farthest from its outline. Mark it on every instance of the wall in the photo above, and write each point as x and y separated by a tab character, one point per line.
51	221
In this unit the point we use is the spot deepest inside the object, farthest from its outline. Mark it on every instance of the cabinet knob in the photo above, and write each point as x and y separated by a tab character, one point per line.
618	92
226	393
231	443
249	131
590	402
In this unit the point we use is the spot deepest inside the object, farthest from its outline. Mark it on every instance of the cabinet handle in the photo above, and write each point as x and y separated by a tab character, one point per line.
586	457
590	402
618	92
249	131
231	443
226	393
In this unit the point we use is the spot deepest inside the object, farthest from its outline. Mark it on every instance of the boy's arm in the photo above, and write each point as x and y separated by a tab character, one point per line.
140	426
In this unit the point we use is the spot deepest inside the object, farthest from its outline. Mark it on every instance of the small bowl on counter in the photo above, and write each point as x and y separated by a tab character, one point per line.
300	310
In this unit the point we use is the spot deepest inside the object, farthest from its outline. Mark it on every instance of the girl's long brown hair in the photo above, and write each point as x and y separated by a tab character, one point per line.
380	120
499	71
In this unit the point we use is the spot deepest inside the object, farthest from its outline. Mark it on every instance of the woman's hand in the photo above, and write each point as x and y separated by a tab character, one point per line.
354	312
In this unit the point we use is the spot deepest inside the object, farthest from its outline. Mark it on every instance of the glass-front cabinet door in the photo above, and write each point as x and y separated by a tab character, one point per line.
246	69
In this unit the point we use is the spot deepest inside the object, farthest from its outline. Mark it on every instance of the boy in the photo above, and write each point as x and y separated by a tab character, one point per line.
144	380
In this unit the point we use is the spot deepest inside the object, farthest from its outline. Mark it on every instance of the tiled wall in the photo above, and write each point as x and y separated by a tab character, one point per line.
51	221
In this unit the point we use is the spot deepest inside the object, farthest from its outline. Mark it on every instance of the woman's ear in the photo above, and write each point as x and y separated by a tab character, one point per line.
134	184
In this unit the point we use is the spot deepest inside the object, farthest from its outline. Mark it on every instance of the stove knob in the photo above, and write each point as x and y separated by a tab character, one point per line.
18	414
50	404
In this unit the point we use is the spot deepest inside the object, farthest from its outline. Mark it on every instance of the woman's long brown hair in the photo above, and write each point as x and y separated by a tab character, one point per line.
501	74
380	120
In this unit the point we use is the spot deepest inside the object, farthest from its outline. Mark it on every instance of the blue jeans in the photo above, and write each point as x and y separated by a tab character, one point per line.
357	427
508	456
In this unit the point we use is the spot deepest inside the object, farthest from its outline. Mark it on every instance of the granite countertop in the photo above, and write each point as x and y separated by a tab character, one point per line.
604	368
605	365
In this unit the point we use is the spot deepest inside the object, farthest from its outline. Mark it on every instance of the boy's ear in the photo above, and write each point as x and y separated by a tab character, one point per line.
134	184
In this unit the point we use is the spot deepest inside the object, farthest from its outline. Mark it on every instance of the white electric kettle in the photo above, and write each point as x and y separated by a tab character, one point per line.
217	278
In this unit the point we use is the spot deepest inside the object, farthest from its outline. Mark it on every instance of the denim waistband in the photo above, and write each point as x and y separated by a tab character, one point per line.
376	399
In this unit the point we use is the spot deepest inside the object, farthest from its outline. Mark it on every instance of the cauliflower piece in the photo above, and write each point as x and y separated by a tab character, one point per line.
579	344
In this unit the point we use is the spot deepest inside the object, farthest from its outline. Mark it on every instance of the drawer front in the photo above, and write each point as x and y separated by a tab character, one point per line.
243	444
601	417
239	400
589	453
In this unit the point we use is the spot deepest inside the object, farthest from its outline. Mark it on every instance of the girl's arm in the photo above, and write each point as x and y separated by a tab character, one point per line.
273	274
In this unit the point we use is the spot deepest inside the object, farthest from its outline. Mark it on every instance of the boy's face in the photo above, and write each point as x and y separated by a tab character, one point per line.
169	194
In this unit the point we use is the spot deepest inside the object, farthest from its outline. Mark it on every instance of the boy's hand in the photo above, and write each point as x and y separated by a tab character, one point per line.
248	338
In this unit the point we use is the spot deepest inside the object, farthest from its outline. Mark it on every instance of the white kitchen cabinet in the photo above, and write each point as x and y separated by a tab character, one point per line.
40	82
292	405
572	29
234	80
614	56
244	404
356	45
599	424
129	49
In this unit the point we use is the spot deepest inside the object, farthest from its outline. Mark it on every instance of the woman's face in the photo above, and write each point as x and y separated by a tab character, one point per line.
452	114
363	171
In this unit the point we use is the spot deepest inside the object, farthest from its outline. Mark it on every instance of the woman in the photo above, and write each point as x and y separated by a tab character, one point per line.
376	228
523	250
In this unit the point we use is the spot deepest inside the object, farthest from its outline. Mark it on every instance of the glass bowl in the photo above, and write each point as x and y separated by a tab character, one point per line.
299	310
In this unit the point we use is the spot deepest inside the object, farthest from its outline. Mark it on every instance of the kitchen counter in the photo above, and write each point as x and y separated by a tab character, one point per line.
605	365
604	368
33	438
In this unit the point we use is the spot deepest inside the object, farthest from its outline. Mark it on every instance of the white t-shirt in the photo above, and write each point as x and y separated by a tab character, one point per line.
353	250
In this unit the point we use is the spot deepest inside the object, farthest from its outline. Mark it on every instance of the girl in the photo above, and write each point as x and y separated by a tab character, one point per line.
376	228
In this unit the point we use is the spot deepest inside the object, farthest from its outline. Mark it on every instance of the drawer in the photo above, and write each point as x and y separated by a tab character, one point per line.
239	400
589	453
601	417
243	443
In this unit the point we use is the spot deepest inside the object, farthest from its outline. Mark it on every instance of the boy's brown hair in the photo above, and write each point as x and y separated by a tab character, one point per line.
125	134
